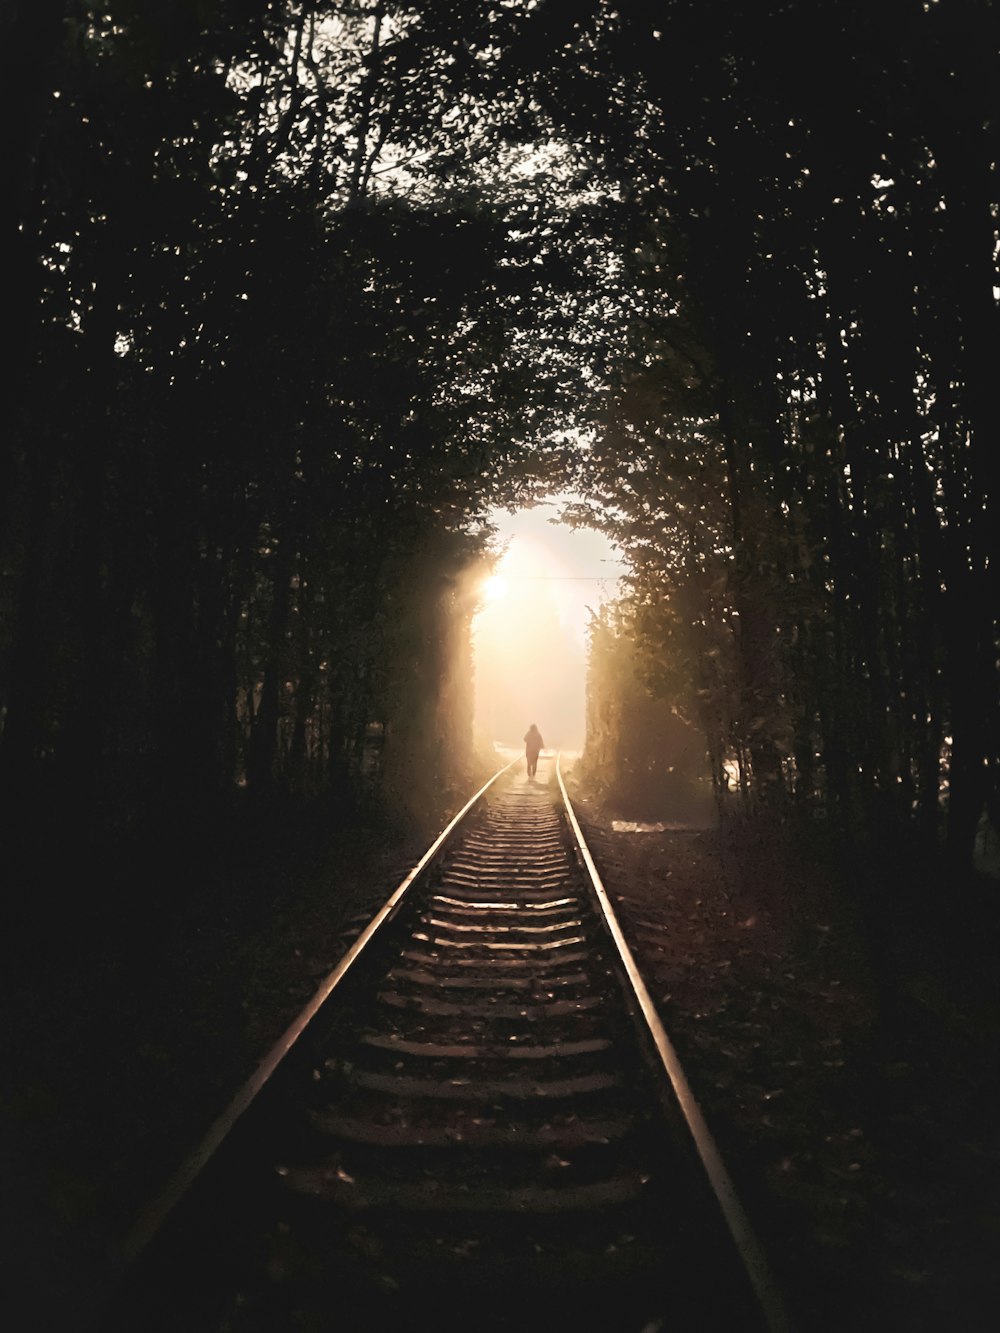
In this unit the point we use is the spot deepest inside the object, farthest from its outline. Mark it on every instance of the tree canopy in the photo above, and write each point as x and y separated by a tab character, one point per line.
301	288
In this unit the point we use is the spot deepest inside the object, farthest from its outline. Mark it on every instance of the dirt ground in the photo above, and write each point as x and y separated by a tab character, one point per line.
857	1118
855	1107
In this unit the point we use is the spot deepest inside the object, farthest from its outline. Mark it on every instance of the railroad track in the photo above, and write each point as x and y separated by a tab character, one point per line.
478	1123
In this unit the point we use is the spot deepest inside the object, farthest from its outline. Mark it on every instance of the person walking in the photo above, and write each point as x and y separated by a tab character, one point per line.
533	744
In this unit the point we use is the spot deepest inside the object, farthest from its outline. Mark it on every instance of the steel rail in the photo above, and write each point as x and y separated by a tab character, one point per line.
747	1244
153	1217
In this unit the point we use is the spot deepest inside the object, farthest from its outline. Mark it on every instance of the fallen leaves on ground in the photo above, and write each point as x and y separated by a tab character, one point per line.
850	1159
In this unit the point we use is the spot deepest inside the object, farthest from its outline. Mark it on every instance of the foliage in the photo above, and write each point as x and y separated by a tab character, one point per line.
278	359
303	287
797	449
642	749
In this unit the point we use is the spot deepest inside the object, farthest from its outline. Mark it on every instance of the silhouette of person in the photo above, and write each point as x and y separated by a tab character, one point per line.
532	745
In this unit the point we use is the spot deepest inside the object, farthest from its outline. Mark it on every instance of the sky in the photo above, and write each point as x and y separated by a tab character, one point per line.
530	634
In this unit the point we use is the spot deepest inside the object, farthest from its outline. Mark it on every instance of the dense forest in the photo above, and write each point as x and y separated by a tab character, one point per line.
297	290
799	451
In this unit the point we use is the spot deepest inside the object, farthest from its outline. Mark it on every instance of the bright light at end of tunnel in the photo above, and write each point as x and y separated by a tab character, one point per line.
530	663
530	627
494	588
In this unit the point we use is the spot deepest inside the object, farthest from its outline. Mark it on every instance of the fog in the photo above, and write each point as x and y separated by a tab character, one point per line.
529	637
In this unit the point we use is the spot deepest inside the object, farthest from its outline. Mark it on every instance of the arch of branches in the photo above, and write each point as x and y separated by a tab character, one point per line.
302	288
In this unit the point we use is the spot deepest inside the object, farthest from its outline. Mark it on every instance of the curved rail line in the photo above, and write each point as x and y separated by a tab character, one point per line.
477	1122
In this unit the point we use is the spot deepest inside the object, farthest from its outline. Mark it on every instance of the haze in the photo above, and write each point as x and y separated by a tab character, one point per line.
530	635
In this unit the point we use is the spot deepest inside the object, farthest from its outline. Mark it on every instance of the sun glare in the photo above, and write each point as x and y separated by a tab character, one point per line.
530	631
529	662
494	588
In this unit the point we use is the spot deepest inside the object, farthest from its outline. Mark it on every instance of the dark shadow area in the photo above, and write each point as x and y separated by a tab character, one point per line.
847	1064
130	1020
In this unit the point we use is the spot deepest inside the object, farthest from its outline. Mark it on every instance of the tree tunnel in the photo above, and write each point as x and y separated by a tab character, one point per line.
306	290
318	312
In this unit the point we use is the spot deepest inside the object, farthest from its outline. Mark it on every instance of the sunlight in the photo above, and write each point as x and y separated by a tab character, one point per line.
494	588
530	633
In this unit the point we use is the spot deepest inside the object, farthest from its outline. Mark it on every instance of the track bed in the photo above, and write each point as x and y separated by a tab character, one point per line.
471	1132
